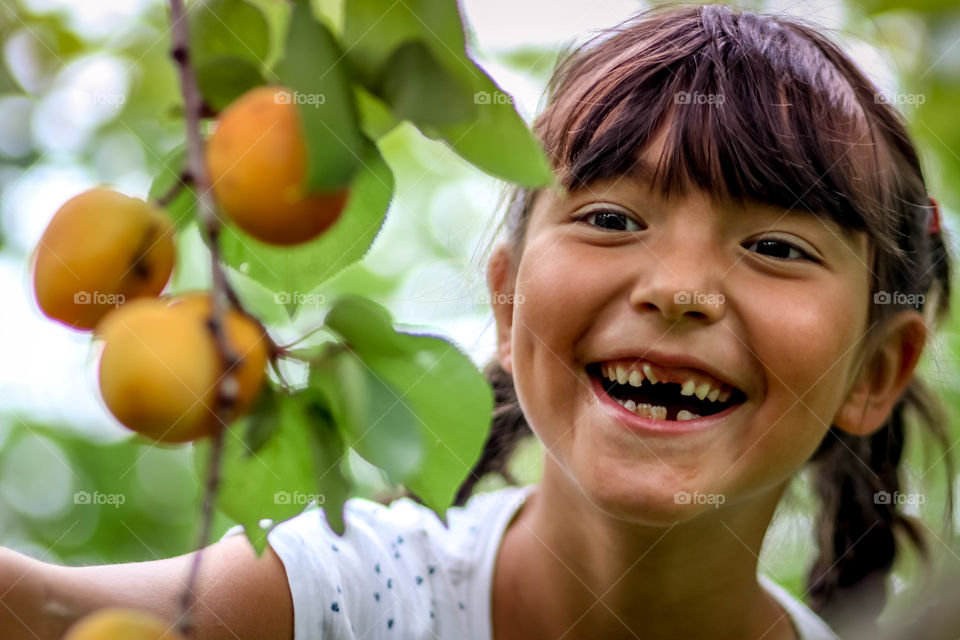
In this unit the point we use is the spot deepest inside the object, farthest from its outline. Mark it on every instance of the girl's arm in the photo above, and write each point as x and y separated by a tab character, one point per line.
237	594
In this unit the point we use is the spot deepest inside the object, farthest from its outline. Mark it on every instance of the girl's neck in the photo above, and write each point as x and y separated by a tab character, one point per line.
567	569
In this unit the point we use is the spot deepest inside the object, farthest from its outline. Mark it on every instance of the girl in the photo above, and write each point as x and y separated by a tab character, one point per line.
733	280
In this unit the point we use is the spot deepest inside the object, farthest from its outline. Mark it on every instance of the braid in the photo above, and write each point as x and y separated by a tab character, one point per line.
856	480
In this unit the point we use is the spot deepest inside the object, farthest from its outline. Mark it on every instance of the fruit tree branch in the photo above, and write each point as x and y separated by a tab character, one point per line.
226	386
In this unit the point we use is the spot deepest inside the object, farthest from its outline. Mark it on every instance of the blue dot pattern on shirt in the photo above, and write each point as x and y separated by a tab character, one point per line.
418	576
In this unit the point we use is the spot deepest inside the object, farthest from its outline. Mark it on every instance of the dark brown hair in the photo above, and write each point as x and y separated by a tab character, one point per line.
798	126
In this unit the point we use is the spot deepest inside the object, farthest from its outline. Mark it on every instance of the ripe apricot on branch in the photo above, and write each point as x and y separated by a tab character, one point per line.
257	162
160	366
122	624
101	249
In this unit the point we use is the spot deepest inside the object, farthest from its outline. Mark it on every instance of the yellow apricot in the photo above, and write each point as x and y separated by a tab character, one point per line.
117	623
159	367
100	250
257	163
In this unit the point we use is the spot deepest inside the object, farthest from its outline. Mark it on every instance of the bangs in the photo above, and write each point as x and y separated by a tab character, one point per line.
751	110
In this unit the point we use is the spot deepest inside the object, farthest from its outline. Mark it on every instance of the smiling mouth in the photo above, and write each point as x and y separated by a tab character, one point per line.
665	400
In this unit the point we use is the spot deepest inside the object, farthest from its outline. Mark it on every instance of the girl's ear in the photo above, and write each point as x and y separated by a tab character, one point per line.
500	283
878	386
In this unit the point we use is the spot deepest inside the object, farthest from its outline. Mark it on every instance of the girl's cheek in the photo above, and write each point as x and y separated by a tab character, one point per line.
561	293
557	302
805	348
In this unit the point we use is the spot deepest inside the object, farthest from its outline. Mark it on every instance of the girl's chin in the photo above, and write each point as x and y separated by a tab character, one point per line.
654	500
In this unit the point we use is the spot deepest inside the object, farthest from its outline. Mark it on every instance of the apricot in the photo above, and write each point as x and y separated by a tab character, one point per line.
257	163
160	366
100	250
117	623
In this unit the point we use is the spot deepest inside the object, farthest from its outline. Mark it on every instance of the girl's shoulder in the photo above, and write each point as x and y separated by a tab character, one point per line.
397	570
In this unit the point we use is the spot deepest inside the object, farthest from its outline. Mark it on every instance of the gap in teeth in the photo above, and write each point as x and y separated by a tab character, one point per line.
635	378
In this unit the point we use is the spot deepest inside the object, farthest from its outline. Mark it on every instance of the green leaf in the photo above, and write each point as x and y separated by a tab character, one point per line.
375	118
374	420
183	208
442	387
454	404
299	269
366	326
495	139
262	421
334	485
315	70
223	79
228	28
297	462
419	89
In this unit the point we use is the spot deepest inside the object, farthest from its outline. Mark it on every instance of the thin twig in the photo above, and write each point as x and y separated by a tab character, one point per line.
226	386
184	180
186	625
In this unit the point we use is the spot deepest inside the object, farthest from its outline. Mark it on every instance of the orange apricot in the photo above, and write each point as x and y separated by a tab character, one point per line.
100	250
257	161
116	623
159	367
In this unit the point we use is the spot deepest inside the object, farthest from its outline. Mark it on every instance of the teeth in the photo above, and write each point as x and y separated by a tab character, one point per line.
702	390
645	410
683	414
635	378
649	373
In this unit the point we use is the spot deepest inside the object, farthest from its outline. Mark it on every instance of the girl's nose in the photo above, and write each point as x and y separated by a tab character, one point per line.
683	285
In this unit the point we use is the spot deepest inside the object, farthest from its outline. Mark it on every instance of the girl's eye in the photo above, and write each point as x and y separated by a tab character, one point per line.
610	220
780	249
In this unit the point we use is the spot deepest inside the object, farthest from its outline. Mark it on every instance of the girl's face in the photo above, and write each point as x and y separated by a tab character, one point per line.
772	304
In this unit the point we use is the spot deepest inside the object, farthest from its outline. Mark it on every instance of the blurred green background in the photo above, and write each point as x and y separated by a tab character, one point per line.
88	95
